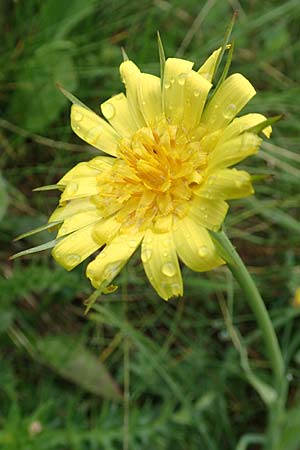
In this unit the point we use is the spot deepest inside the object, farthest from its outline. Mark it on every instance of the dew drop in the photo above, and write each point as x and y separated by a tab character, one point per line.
172	79
146	254
73	259
78	117
108	110
93	134
112	269
230	111
167	85
168	269
182	78
196	92
132	243
203	251
165	254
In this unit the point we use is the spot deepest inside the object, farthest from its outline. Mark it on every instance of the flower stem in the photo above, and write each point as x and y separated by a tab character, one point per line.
253	297
257	305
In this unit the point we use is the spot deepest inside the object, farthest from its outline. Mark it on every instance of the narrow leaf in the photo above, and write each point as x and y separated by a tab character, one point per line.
38	248
227	66
74	362
49	187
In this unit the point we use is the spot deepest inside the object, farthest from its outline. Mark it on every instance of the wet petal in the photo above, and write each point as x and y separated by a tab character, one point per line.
161	264
130	74
233	151
150	98
233	94
207	213
207	69
71	208
94	130
195	247
196	89
78	221
75	248
116	110
175	72
241	124
80	187
226	184
112	259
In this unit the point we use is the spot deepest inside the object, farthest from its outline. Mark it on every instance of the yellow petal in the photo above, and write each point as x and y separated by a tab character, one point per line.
207	69
116	111
75	248
226	184
233	94
150	98
175	73
233	151
105	230
80	187
81	170
196	89
209	214
161	264
241	124
130	75
112	259
78	221
195	247
94	130
71	208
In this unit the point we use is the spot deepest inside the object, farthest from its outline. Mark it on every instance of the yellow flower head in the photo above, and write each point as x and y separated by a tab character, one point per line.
167	177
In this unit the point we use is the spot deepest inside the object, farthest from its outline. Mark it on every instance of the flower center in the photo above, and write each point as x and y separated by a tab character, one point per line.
153	177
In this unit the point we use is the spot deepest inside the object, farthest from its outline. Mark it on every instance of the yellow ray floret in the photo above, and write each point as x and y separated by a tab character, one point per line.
171	147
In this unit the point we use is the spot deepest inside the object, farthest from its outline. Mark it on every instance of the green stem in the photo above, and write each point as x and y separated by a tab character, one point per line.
257	305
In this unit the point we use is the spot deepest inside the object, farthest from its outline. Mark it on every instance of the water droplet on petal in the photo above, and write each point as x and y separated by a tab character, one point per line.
167	85
230	111
182	78
78	116
196	92
73	259
203	251
172	79
132	243
146	254
112	269
108	110
165	254
168	269
93	134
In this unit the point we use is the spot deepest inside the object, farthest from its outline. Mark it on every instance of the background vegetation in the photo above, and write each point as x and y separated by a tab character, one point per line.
62	373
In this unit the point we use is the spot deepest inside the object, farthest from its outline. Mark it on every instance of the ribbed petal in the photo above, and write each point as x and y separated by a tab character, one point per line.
226	184
195	247
112	259
94	130
116	110
150	98
161	264
175	73
207	69
75	248
241	124
105	230
196	89
207	213
87	169
78	221
73	207
233	151
233	94
130	75
80	187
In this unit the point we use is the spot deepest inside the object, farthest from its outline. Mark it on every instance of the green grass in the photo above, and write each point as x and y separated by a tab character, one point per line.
187	389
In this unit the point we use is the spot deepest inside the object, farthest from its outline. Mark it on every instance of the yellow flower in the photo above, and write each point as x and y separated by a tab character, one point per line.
167	177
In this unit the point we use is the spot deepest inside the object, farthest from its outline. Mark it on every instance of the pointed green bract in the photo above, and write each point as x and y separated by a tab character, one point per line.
162	58
227	66
37	249
71	97
124	54
49	187
261	126
225	43
47	226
